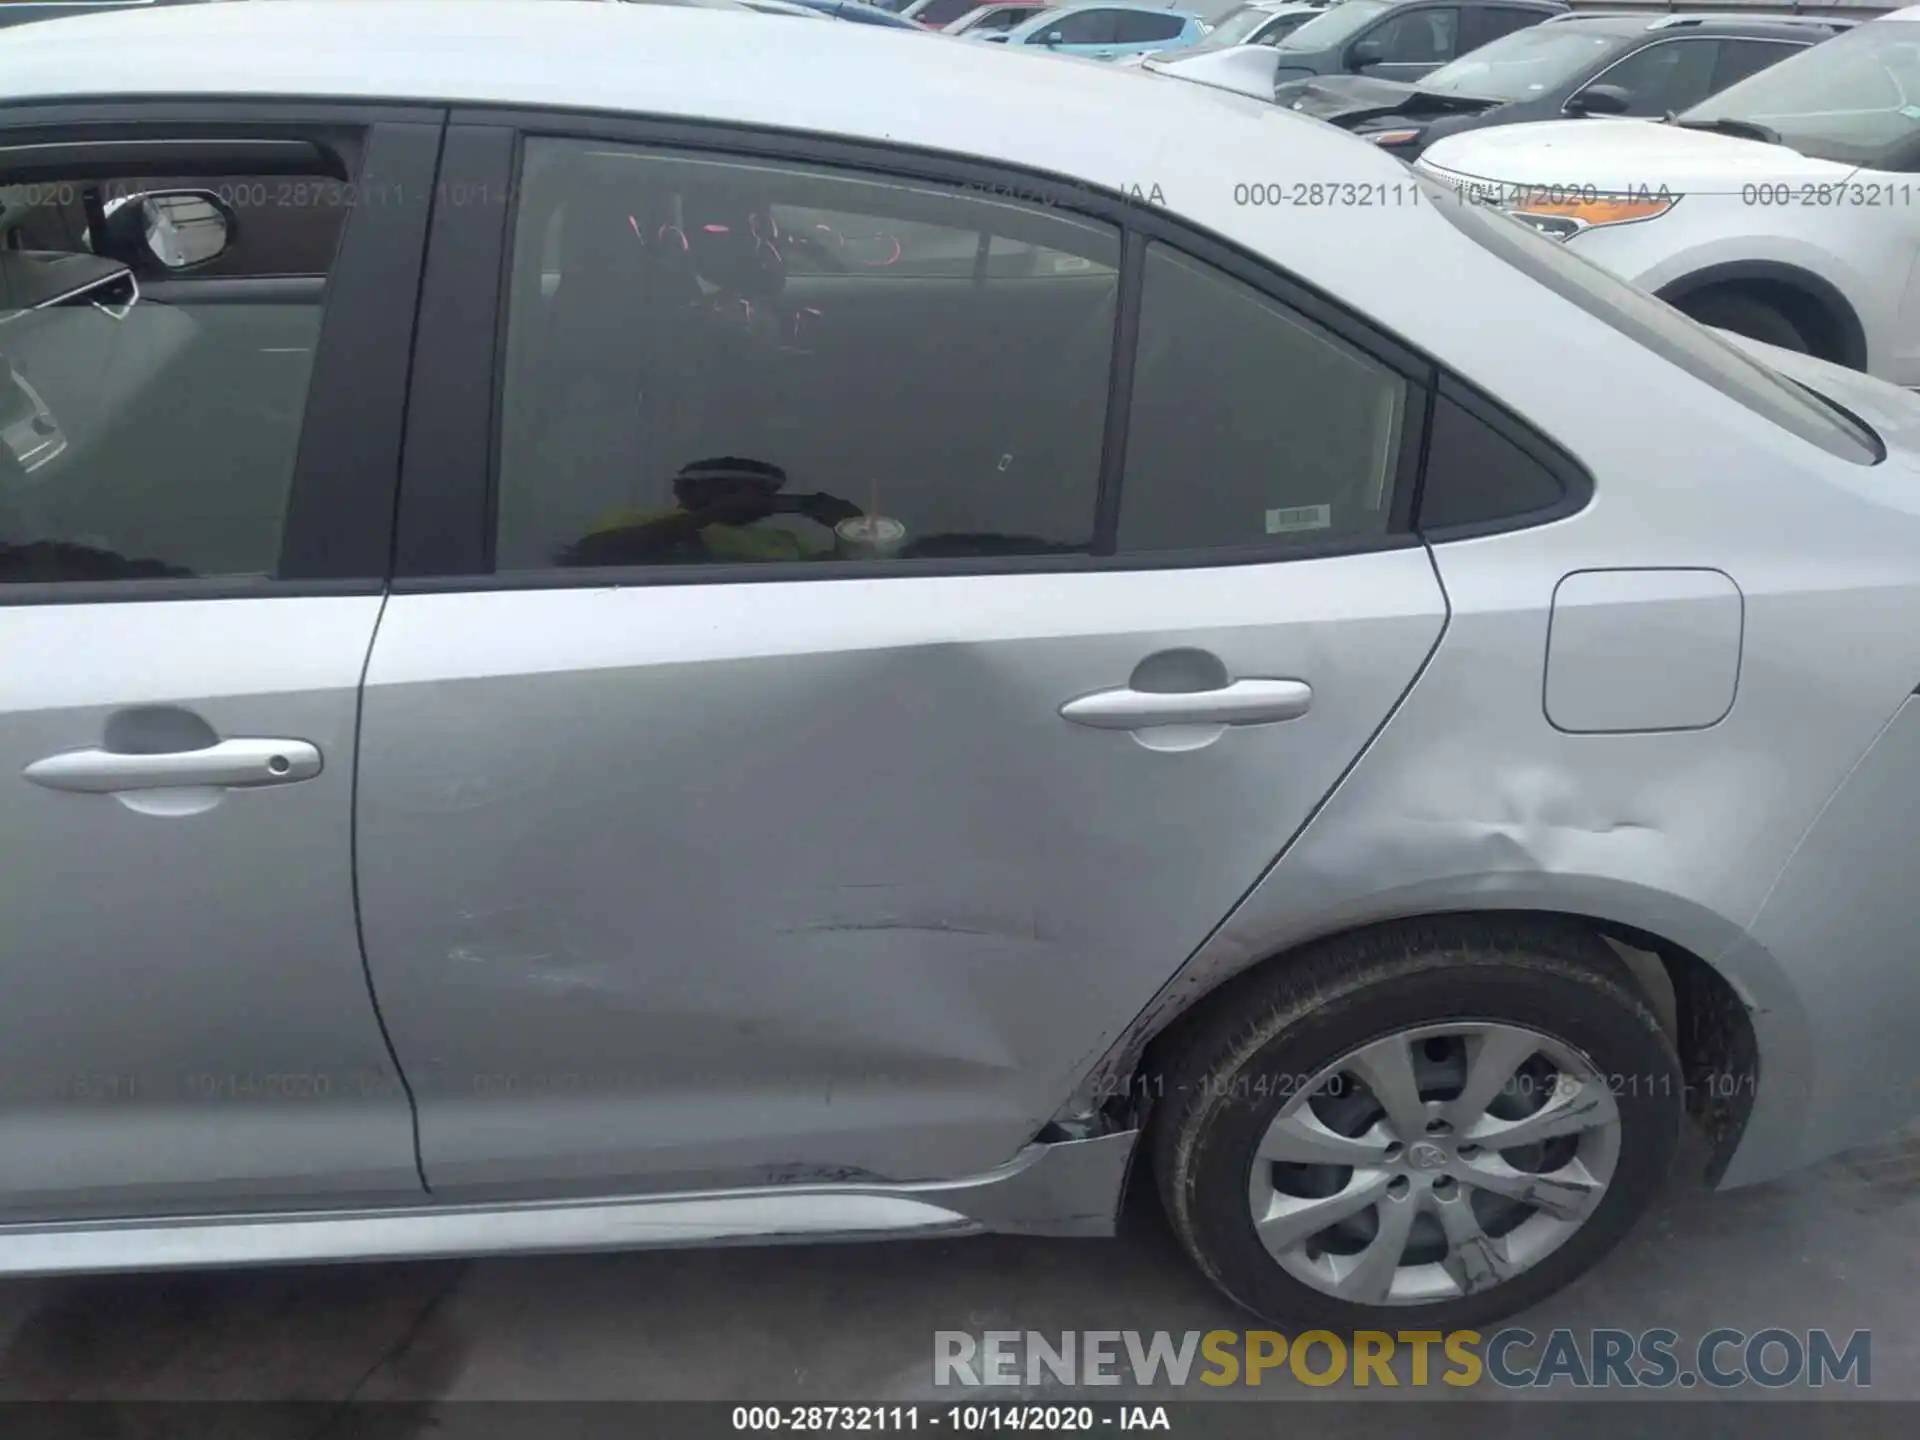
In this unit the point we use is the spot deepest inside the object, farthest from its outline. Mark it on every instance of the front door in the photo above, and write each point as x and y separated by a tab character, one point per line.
822	773
192	544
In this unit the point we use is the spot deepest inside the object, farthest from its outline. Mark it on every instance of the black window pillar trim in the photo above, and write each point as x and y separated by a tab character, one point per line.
444	520
340	512
1126	341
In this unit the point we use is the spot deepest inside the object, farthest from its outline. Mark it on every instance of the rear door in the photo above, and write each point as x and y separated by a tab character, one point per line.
196	485
799	741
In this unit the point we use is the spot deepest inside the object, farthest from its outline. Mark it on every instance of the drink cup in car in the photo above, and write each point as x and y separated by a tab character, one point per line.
869	537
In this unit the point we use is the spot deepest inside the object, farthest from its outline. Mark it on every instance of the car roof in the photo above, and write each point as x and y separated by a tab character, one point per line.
1140	5
860	81
1720	23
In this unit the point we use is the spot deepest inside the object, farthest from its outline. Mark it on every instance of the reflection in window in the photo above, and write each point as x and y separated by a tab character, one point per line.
725	362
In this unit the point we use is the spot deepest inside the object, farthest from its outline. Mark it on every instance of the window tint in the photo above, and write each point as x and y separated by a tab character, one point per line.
1089	27
1741	58
1250	424
144	431
697	372
1497	20
1669	75
1417	37
1475	475
1132	28
1659	327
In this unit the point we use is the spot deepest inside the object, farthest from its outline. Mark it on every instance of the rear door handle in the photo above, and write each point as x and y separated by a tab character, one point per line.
1244	702
230	763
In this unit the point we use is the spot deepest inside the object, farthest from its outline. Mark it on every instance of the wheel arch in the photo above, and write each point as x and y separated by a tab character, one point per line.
1718	1028
1843	332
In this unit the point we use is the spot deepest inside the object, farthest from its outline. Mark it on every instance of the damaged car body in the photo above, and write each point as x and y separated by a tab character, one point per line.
562	791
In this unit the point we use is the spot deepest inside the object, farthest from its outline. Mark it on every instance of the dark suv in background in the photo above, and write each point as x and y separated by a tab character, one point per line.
1400	39
1573	65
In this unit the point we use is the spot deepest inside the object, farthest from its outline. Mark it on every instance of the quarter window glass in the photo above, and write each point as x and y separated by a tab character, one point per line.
718	362
1476	476
146	432
1250	424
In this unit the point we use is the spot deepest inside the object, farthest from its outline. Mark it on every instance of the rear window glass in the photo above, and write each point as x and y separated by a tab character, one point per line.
1661	328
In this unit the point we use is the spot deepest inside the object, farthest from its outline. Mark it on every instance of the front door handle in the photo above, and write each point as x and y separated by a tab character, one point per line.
1244	702
230	763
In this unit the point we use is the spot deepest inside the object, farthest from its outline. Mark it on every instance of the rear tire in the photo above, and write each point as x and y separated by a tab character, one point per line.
1746	315
1448	1236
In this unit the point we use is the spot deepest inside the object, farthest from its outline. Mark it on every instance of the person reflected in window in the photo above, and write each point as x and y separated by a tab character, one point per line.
719	505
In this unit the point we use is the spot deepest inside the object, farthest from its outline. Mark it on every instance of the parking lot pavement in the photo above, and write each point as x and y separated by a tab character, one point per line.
1832	1248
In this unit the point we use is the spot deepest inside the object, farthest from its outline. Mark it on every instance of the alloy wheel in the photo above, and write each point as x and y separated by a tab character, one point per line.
1435	1162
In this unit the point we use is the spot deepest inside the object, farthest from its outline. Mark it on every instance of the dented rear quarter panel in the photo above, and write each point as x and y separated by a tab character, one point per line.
1728	841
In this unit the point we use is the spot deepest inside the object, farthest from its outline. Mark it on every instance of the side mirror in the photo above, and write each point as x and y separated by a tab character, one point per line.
1600	100
174	229
1365	53
1053	38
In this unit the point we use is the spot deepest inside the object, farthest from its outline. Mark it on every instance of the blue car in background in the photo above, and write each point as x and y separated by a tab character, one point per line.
1105	32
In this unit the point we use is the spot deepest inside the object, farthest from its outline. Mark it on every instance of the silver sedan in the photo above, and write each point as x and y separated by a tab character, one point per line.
593	655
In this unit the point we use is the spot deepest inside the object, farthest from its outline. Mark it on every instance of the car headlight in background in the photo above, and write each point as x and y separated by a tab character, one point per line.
1560	219
1392	137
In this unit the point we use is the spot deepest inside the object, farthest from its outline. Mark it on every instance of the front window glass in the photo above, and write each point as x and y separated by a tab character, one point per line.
1521	65
1337	26
1238	25
1854	99
1659	327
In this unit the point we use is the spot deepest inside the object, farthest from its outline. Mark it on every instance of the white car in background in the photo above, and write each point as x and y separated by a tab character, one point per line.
1786	208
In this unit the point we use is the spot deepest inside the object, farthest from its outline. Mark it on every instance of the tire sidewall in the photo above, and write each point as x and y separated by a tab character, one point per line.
1752	318
1622	1042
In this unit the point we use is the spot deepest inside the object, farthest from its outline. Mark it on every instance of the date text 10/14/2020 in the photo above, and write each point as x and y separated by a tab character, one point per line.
961	1419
